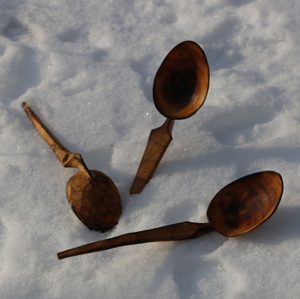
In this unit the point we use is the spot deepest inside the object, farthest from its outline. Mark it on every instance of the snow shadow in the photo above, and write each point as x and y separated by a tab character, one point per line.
241	158
14	30
238	3
187	265
283	226
146	72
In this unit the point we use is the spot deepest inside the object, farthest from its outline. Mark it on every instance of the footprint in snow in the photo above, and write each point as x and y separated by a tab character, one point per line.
238	3
70	35
237	125
3	234
14	30
20	72
220	46
99	55
146	69
2	50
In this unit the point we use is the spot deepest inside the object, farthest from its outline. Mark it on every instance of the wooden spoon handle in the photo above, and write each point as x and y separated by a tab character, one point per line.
173	232
158	142
67	158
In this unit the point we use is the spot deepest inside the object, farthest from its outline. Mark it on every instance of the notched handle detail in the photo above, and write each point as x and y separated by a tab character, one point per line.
66	158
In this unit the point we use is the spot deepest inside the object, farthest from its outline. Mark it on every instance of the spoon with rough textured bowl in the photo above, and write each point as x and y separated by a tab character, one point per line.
92	195
179	90
235	210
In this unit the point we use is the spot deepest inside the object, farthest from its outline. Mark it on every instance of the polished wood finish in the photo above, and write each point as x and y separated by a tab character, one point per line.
96	202
237	209
158	142
173	232
179	90
66	158
92	195
246	203
182	81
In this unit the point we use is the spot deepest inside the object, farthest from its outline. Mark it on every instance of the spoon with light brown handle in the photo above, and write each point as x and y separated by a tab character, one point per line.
92	195
235	210
179	90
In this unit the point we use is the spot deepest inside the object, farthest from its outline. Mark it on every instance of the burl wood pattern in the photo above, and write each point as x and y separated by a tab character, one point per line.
157	145
179	90
96	201
93	196
236	209
246	203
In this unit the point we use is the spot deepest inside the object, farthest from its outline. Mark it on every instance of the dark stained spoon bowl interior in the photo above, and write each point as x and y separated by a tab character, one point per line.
182	81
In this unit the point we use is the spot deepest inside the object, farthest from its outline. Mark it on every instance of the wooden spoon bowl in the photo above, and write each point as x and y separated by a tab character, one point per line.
182	81
246	203
92	195
96	202
180	88
237	209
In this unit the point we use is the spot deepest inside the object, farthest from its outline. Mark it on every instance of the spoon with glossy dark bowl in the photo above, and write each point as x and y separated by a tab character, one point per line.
235	210
179	90
92	195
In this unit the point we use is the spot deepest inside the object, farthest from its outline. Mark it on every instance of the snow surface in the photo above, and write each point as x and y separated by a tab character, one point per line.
87	68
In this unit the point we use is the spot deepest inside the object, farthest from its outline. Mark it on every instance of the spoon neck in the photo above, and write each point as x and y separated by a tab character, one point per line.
169	124
82	167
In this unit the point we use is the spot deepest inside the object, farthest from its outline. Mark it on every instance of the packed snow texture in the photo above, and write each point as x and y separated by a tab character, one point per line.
87	68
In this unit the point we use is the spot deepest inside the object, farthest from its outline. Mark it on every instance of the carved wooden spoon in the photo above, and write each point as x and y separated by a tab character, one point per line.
93	196
180	88
236	209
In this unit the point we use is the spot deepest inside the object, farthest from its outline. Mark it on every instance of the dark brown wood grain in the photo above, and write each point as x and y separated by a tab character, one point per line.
182	81
92	195
95	201
180	88
66	158
246	203
237	209
157	145
174	232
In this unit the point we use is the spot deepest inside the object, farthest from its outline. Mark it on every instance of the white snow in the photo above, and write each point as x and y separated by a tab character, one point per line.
87	68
